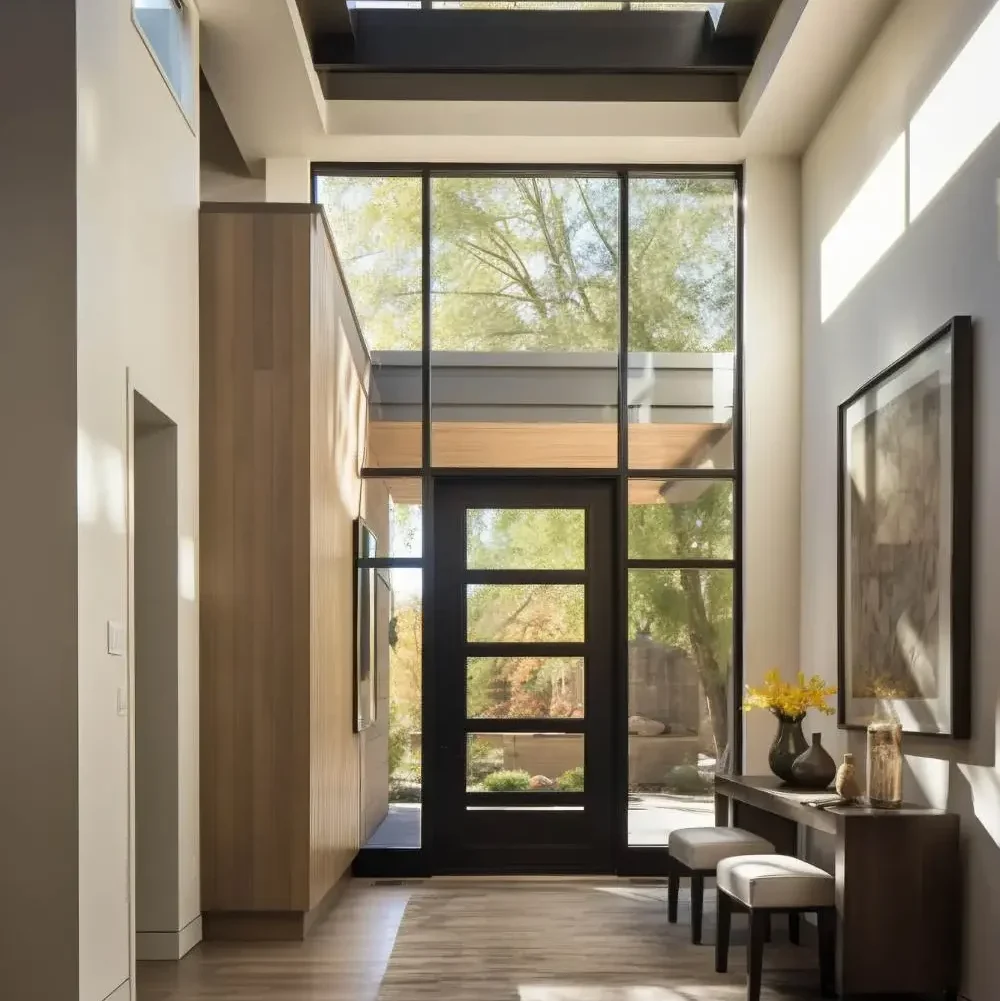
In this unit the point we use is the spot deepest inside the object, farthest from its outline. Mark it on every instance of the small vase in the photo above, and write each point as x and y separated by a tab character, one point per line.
847	785
814	768
789	743
885	764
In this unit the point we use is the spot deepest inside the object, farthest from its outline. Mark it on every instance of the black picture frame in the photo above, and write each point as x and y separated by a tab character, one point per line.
365	672
948	352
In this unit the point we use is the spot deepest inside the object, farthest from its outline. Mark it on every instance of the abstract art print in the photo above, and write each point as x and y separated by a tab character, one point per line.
905	516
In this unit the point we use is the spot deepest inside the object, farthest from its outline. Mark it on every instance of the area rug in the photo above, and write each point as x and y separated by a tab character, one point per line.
574	942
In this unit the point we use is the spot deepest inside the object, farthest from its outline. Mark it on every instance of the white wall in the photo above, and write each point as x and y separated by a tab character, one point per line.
138	167
288	179
771	338
38	635
941	263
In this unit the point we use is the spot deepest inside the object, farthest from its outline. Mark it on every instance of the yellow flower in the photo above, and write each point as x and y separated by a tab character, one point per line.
793	700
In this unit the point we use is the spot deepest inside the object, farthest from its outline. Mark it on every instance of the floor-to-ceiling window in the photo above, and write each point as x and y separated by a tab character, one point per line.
558	322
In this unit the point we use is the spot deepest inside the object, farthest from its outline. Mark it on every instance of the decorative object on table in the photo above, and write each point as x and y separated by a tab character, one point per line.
885	759
639	726
905	517
789	703
814	768
847	785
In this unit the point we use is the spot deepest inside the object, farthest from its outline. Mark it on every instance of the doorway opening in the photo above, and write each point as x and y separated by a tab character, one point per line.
155	690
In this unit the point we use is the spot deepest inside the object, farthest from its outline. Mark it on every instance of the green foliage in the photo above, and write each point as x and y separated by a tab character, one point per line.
531	264
483	759
507	781
571	781
686	780
399	744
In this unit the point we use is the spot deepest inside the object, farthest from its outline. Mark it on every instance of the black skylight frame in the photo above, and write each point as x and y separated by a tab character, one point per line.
631	53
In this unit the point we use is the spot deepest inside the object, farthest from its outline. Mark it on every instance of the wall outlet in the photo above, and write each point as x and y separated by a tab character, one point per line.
117	640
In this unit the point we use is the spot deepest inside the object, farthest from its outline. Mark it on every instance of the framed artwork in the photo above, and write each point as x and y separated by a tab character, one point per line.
365	694
905	453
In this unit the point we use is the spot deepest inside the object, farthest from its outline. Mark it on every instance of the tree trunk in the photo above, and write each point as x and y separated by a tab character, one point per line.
713	680
717	697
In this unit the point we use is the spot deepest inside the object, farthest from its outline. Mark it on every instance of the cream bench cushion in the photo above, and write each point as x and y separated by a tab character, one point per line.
703	848
778	881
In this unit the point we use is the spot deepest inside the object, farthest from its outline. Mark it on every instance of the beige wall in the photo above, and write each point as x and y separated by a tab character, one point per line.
218	185
38	603
941	263
137	293
772	415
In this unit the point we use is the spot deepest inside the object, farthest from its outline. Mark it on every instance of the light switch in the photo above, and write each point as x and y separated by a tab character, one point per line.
116	639
122	705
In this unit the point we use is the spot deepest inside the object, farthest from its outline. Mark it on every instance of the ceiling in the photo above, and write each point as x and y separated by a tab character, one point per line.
307	79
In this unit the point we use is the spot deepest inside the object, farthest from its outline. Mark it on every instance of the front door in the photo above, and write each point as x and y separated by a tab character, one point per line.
522	676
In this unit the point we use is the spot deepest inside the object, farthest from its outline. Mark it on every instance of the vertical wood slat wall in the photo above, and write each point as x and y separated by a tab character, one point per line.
280	403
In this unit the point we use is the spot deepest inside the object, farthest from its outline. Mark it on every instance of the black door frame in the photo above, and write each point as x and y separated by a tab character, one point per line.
634	860
577	841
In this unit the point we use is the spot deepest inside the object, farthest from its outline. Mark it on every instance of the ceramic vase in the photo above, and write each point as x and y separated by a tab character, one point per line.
814	768
847	785
789	742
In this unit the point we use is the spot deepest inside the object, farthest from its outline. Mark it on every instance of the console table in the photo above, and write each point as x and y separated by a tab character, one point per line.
897	875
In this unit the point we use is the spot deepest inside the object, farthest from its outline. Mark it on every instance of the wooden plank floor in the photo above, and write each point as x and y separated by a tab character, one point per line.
342	960
456	928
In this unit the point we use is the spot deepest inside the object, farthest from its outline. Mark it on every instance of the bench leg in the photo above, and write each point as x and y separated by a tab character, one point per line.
697	899
673	891
793	928
755	953
828	952
724	907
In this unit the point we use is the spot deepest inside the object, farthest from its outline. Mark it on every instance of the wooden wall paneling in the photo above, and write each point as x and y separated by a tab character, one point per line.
246	881
296	315
221	286
335	758
281	779
293	327
252	805
395	444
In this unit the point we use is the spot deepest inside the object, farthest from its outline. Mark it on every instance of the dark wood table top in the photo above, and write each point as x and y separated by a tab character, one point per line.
768	792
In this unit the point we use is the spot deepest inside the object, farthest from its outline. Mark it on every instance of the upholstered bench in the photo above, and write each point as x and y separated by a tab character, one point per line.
766	884
695	852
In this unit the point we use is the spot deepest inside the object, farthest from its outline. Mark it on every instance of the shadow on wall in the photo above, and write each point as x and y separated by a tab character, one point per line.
957	117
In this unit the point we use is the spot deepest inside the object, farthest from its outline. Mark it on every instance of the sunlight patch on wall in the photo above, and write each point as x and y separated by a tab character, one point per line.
960	112
100	483
868	227
88	490
187	568
984	784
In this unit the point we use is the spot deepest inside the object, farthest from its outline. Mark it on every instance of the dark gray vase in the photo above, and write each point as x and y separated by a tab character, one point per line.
789	743
814	769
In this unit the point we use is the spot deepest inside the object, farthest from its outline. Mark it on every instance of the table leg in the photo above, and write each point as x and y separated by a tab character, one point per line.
722	810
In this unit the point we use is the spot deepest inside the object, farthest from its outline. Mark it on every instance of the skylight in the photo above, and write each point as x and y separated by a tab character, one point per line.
684	6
